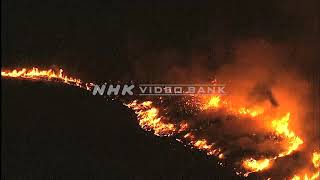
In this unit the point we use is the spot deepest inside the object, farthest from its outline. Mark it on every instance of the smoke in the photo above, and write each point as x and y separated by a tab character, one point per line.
260	73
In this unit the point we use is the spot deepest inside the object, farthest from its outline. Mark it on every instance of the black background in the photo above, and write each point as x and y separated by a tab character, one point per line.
99	40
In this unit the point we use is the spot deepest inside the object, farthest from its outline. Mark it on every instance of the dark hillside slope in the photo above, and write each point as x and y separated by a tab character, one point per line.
53	131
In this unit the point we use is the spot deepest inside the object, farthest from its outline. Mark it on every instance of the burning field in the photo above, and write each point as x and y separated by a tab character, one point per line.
258	116
256	131
250	139
264	126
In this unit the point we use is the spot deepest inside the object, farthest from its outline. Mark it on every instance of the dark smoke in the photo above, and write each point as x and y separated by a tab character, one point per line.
262	92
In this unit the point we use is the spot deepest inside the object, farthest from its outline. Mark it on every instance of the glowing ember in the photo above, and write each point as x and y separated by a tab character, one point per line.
183	127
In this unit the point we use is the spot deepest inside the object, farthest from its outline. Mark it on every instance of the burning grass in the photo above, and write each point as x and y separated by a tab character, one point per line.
250	138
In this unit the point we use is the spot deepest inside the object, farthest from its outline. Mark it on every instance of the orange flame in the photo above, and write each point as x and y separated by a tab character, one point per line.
281	128
216	102
203	145
316	163
36	74
252	112
150	119
316	159
255	165
279	125
213	102
314	176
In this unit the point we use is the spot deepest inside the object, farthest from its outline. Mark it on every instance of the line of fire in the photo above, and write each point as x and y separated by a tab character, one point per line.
255	138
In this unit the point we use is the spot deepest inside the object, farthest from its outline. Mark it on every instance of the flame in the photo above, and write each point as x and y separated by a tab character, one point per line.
183	127
252	112
255	165
279	125
150	119
281	128
213	102
203	145
217	102
314	176
36	74
316	159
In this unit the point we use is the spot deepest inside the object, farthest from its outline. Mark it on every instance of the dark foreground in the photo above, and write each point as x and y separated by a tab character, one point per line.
52	131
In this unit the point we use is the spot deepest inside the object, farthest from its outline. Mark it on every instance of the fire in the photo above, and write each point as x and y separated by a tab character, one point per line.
214	102
149	119
203	145
279	125
316	159
281	128
316	163
311	176
255	165
314	176
183	127
252	112
217	102
36	74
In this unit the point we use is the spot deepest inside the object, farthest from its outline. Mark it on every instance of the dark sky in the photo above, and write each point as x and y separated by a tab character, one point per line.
108	39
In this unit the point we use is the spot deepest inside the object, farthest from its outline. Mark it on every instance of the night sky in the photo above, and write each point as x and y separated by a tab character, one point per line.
131	40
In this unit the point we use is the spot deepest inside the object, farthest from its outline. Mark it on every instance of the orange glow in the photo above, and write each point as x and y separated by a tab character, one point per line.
316	159
213	102
314	176
203	145
252	112
50	75
306	176
183	127
256	165
281	127
149	118
217	102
